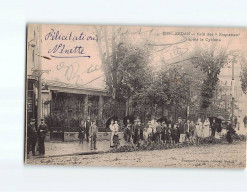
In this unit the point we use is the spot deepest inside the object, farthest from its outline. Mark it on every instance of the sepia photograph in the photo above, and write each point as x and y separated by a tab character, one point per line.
136	96
122	96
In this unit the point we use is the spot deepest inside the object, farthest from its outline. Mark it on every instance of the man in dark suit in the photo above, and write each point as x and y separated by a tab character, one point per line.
141	129
135	132
41	137
88	124
93	133
128	132
31	137
213	128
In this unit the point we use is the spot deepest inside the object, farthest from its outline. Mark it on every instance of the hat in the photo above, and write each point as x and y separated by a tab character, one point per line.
33	120
42	119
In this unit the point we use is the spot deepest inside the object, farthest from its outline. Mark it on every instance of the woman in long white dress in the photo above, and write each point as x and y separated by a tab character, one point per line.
198	131
112	128
206	129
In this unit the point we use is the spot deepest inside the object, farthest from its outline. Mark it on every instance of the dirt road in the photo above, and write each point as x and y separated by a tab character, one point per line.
211	156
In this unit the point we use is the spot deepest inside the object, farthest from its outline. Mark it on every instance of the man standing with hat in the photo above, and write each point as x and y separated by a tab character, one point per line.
128	132
135	131
41	137
88	124
93	132
213	127
31	137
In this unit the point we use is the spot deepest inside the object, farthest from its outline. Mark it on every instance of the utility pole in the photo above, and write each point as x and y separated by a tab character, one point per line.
233	86
39	61
188	105
39	105
37	70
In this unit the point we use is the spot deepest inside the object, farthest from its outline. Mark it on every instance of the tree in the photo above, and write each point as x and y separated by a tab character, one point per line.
210	61
132	69
177	86
243	74
124	63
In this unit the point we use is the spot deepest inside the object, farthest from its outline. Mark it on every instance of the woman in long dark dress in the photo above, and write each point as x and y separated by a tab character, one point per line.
230	132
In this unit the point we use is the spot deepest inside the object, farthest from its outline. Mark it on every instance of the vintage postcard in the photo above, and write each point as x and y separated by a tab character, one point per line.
136	96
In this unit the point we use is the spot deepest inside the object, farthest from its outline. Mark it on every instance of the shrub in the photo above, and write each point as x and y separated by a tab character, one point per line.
149	146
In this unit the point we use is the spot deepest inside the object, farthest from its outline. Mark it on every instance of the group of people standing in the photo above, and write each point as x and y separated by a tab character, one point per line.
135	132
36	138
88	129
155	131
206	129
168	131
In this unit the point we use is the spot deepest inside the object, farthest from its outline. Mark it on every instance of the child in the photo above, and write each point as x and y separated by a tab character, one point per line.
116	140
93	134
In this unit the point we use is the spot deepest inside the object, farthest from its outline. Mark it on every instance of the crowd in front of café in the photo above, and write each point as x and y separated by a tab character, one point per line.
135	132
162	130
